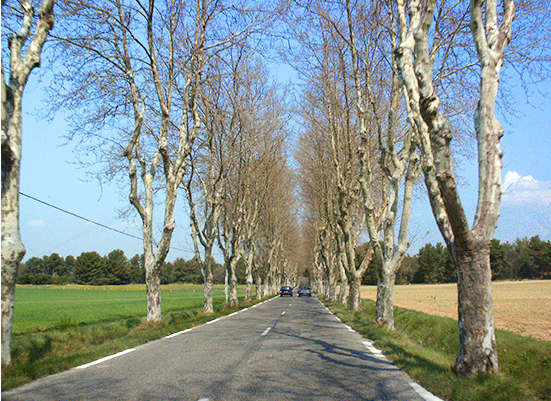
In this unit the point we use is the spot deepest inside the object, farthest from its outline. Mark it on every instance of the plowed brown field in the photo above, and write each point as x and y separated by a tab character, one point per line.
522	307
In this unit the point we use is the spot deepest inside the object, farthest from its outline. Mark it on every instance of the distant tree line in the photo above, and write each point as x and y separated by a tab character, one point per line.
524	259
114	269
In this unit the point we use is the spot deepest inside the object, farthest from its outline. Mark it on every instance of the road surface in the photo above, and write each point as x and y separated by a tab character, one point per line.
282	349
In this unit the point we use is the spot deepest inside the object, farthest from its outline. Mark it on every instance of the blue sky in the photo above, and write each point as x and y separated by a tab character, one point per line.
51	173
526	176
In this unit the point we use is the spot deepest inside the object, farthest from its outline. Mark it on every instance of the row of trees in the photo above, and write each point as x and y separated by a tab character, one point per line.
169	98
389	84
189	109
377	113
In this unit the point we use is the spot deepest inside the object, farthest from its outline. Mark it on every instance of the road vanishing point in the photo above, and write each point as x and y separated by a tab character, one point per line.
281	349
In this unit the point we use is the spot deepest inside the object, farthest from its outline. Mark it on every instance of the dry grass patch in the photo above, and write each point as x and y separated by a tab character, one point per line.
522	307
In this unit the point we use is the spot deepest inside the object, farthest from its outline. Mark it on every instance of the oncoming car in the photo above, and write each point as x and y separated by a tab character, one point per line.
306	291
286	290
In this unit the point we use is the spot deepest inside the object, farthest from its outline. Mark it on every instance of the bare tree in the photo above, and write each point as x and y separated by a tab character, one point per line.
332	88
212	179
379	152
491	32
318	195
271	197
277	221
151	58
378	108
25	35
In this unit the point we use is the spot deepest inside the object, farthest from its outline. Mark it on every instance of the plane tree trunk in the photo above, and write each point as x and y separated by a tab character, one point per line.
477	351
397	165
21	64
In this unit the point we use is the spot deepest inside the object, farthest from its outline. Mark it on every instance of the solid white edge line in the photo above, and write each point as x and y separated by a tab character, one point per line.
180	332
266	331
234	313
374	351
425	394
214	321
428	396
127	351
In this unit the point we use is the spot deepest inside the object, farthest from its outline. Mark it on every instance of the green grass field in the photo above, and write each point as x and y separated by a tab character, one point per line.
41	308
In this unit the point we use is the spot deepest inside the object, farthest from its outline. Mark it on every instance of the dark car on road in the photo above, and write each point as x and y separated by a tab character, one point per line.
286	291
306	291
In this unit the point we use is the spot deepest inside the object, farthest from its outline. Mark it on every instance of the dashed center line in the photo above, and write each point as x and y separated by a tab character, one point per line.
266	331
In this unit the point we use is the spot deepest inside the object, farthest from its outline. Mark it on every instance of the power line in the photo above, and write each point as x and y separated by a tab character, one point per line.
90	221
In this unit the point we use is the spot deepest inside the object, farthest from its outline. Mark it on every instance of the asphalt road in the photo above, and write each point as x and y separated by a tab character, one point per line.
283	349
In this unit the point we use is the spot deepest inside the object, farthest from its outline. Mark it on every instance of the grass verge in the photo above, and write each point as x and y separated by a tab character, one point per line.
425	347
41	353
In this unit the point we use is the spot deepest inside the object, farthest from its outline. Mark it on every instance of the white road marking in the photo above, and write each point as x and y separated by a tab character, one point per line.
234	313
376	352
266	331
180	332
284	312
106	358
214	321
424	393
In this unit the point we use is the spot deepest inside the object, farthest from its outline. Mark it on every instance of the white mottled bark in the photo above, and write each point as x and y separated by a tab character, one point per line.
173	165
355	296
249	276
21	66
258	285
207	236
381	219
477	351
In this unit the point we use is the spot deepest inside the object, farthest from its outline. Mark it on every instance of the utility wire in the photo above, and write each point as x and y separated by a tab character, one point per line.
90	221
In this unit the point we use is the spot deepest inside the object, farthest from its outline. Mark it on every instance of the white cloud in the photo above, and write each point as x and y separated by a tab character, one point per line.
526	190
36	223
